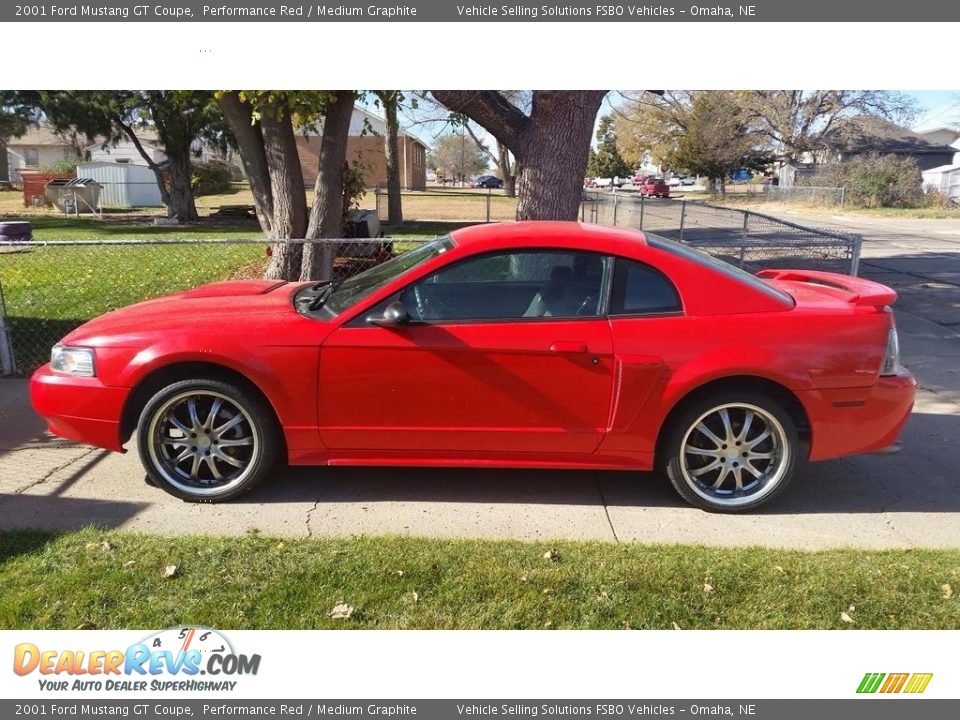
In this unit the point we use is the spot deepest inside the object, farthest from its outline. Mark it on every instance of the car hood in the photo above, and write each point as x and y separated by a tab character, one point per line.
218	303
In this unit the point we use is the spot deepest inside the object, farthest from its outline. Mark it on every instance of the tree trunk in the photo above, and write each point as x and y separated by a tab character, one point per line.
287	190
554	155
4	169
394	197
550	146
246	132
326	215
182	204
507	172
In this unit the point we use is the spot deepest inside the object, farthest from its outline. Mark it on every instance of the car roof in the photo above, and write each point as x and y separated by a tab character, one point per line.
495	235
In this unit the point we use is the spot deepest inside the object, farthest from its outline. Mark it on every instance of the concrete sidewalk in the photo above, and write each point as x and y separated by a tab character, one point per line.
907	500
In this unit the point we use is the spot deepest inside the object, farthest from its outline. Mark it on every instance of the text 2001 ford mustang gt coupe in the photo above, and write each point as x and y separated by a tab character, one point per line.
549	345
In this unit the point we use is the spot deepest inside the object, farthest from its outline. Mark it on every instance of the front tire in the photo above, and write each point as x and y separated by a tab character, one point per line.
205	440
732	451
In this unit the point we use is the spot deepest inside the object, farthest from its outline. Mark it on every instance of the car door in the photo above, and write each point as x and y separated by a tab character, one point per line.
504	352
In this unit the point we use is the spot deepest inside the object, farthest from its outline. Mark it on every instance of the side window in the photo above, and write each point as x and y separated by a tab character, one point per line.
639	289
514	285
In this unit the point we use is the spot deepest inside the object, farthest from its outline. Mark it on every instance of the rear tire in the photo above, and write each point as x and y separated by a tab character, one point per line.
732	451
207	441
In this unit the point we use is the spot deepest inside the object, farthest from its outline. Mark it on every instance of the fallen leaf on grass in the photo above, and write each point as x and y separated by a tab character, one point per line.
106	546
128	563
86	625
846	618
779	569
677	627
170	570
551	555
947	591
707	588
416	596
341	611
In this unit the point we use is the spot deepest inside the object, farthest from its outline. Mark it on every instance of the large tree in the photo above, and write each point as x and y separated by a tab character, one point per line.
795	121
458	156
717	138
702	132
179	117
551	142
605	160
264	124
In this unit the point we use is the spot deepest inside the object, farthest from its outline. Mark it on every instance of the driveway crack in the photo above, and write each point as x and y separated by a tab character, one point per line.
309	517
606	510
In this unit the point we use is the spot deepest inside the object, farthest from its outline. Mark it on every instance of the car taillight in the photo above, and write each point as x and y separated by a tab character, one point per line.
891	359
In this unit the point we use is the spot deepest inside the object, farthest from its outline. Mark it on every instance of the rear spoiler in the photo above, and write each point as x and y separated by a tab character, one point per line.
862	292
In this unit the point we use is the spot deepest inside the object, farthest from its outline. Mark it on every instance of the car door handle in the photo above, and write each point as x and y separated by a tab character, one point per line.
568	346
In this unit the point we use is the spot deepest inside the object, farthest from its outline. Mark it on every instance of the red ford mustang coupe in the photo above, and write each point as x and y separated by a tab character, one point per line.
535	345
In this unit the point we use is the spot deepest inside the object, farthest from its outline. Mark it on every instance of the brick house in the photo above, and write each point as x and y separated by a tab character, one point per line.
367	148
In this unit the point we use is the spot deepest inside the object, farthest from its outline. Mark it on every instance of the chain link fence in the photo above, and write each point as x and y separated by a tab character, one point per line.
463	205
49	288
747	239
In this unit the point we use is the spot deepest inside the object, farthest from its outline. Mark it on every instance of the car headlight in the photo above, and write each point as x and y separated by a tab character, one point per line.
72	360
891	359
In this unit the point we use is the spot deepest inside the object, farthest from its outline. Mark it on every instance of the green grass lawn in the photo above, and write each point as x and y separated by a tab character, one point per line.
117	580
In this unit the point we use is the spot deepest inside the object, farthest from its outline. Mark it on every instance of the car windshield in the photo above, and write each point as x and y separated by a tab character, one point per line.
726	268
359	286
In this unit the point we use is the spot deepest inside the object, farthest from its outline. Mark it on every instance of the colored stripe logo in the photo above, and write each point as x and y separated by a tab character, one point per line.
912	683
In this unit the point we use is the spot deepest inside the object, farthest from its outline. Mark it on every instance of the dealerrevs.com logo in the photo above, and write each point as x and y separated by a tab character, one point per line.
179	659
887	684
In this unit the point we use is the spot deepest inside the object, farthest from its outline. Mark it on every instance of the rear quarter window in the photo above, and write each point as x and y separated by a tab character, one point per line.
639	289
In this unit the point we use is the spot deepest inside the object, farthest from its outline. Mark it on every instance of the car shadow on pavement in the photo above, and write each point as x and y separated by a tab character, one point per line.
923	477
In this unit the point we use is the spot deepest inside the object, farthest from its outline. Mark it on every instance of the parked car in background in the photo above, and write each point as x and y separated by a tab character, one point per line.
688	180
601	182
653	187
675	181
536	345
488	181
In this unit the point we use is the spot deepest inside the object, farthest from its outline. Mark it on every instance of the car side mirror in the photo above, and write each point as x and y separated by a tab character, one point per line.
394	314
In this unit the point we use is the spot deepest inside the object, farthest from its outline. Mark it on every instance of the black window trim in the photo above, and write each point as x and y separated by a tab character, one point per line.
602	314
610	262
619	259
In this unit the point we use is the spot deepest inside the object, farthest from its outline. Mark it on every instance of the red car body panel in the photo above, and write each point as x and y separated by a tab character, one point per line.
574	393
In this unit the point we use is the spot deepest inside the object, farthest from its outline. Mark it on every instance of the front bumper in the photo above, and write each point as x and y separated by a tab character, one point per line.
79	408
850	421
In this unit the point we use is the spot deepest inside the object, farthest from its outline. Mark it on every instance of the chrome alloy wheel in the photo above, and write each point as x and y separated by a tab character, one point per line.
202	442
734	454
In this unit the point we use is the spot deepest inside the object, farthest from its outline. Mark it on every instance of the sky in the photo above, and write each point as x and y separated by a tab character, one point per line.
937	108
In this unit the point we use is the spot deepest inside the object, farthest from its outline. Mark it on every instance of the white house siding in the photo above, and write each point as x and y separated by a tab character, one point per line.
124	185
945	179
46	155
125	152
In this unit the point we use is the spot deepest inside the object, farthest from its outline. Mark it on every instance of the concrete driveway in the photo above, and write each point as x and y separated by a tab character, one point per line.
911	499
